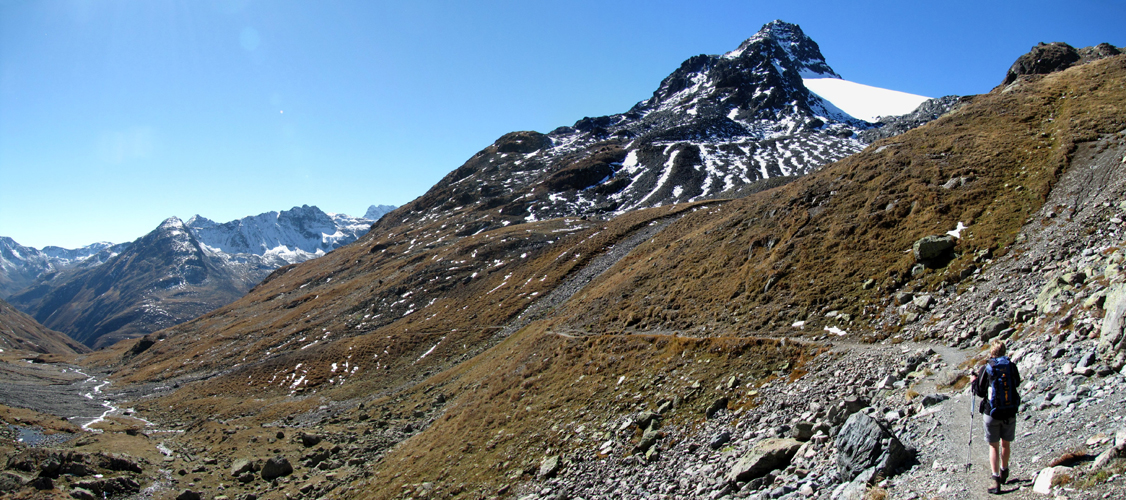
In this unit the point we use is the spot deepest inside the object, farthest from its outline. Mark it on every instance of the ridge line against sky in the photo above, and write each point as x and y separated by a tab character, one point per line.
115	115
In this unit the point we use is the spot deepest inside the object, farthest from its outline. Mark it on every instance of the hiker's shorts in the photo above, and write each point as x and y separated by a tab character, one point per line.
1000	429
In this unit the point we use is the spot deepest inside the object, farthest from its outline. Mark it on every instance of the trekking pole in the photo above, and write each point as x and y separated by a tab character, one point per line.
970	446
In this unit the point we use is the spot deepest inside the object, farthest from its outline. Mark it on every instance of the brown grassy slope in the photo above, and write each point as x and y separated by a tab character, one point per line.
19	331
356	304
796	252
539	394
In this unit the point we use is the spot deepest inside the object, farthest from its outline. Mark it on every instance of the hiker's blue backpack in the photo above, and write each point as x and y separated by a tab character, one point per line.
1003	397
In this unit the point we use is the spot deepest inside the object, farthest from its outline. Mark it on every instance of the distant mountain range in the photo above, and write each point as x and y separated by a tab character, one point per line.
20	265
103	292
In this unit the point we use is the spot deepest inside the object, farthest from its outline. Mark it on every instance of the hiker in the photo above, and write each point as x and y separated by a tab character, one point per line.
997	382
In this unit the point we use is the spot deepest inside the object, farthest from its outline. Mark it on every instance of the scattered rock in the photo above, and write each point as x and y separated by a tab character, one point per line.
990	327
1043	483
549	467
863	443
929	248
82	494
719	440
276	467
310	440
933	399
715	407
767	455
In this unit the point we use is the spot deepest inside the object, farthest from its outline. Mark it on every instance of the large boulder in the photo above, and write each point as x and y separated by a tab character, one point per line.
1112	339
929	248
990	327
767	455
864	442
1043	59
549	467
276	467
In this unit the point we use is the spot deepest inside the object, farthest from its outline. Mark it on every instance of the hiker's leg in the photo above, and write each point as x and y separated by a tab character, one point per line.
1005	448
994	458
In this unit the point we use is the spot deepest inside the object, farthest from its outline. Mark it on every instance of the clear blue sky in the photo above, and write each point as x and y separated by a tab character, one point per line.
115	115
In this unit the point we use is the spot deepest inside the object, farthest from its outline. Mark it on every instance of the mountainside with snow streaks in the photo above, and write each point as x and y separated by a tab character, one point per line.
713	127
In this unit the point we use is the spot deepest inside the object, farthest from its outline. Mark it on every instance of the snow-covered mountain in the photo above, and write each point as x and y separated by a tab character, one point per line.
716	127
20	265
294	235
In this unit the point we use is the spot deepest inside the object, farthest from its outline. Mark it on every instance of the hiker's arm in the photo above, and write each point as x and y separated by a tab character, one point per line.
975	382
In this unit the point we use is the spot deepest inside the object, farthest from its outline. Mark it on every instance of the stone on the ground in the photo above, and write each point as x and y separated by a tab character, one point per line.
719	440
549	467
767	455
990	327
863	443
932	247
934	399
243	465
1112	338
1043	483
82	494
1106	456
188	495
276	467
802	431
715	407
309	440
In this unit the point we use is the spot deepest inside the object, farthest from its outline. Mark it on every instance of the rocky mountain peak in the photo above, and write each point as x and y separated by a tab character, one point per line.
800	49
171	224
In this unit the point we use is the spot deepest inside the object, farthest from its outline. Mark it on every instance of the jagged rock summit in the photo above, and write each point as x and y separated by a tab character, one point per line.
375	212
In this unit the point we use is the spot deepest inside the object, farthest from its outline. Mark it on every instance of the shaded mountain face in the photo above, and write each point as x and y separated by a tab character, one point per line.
163	278
20	265
21	332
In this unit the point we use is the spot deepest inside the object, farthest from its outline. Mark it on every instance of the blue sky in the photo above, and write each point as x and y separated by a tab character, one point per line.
115	115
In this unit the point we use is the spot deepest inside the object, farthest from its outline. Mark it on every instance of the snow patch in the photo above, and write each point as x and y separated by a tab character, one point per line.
864	101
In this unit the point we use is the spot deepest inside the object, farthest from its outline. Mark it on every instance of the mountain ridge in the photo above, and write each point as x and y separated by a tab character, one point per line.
206	265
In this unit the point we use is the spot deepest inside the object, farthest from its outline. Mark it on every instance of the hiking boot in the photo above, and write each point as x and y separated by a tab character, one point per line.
996	489
1004	476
